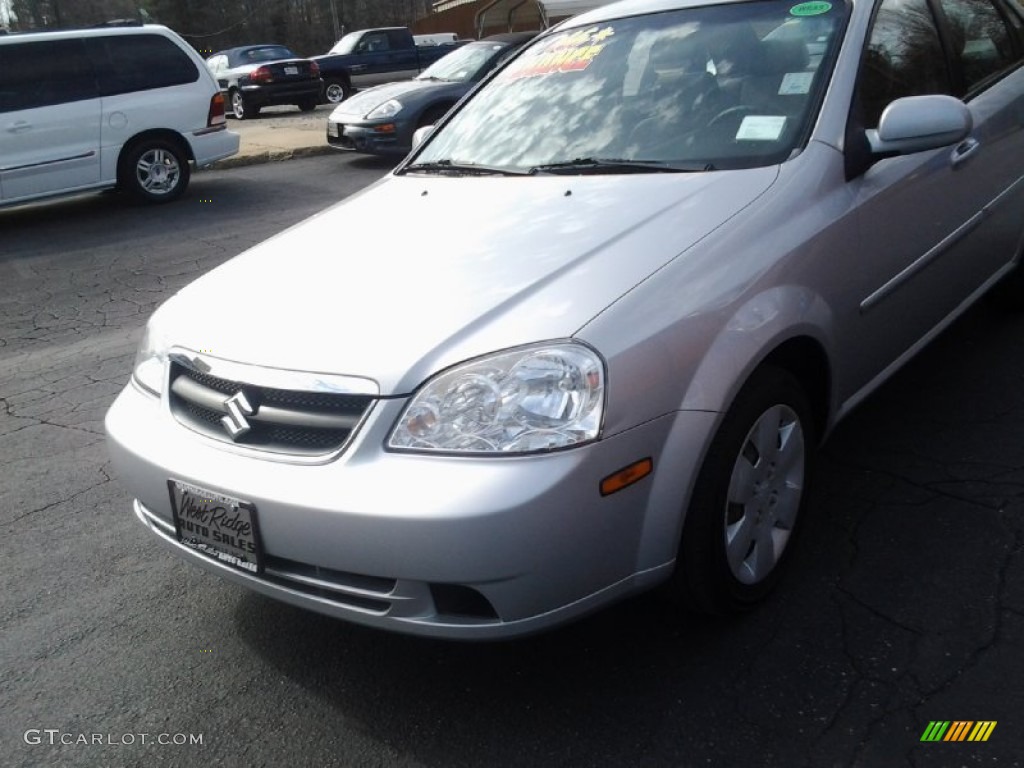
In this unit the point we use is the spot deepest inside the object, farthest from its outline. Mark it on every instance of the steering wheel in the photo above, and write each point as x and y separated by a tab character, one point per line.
731	113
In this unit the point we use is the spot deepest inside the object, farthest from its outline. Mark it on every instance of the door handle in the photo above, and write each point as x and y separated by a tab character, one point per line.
964	150
19	127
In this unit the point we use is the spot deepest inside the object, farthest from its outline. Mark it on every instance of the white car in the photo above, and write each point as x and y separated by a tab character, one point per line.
628	285
132	107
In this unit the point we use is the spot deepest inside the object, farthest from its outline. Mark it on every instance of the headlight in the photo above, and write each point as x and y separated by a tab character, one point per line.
389	108
148	370
537	398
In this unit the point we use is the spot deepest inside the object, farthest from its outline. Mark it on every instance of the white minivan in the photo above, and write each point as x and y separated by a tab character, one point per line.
130	107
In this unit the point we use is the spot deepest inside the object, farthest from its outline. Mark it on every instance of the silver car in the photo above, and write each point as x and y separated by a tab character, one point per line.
632	282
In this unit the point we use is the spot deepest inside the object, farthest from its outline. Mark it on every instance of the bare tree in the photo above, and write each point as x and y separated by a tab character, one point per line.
307	26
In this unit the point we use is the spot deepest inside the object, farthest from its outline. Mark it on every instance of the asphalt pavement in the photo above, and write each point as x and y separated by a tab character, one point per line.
904	607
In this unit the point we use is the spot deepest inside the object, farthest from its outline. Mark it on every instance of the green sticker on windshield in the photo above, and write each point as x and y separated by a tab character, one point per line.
811	9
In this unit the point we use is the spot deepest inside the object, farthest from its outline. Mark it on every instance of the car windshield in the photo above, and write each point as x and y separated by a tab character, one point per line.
347	44
462	64
714	87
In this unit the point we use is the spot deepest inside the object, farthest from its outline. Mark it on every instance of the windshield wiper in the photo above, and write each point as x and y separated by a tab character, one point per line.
619	165
449	167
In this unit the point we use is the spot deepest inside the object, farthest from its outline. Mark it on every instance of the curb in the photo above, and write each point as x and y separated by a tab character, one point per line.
257	157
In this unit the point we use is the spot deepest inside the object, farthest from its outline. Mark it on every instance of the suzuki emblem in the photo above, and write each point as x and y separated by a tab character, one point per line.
238	408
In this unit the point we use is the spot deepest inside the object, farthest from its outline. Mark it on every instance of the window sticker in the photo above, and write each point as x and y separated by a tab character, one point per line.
815	8
796	83
573	53
761	128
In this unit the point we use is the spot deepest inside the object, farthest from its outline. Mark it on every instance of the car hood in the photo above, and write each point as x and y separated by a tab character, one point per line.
417	273
364	101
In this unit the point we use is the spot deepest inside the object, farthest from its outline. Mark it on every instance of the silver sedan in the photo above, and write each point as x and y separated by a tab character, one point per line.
633	281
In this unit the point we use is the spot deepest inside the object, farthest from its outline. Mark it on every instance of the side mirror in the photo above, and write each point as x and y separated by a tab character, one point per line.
916	123
420	135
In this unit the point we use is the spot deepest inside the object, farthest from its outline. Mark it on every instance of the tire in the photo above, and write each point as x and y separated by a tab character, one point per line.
307	105
433	114
154	171
336	91
241	107
749	498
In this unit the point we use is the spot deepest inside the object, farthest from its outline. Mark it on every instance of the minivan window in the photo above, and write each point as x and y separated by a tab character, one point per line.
41	74
127	63
714	87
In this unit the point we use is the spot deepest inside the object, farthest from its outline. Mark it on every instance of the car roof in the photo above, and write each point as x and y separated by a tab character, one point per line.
98	31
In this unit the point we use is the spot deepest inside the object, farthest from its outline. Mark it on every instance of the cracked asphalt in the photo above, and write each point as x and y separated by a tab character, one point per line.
904	605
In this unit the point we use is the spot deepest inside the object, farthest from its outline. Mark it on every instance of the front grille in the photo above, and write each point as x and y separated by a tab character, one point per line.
293	422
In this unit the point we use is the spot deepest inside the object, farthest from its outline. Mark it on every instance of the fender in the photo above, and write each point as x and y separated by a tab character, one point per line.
759	327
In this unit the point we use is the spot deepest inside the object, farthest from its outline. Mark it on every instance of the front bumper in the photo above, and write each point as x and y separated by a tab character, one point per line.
369	138
453	547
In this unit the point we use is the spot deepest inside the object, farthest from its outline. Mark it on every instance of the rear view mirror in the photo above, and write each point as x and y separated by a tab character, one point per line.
917	123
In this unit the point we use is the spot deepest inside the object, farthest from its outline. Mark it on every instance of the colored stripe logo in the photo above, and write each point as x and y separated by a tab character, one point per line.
958	730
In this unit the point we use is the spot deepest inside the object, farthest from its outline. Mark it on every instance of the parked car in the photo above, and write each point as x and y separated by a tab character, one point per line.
130	107
369	57
382	120
257	76
584	339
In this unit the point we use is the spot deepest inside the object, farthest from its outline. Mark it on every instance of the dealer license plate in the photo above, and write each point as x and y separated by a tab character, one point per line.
291	70
219	526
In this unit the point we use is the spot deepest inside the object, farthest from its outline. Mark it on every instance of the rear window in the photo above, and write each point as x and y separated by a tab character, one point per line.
264	53
127	63
44	73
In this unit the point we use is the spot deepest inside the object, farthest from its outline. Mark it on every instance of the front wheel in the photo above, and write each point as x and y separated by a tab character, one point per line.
749	497
432	115
154	171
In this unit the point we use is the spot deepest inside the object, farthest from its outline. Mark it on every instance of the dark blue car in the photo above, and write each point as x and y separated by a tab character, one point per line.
382	120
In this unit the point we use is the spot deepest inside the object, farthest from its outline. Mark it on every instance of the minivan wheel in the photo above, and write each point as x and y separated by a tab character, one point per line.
749	497
154	171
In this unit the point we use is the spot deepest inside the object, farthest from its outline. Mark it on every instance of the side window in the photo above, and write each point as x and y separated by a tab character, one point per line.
127	63
981	39
398	39
44	73
374	42
904	58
